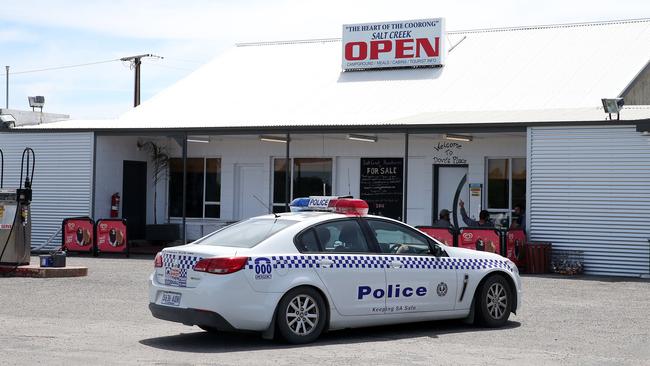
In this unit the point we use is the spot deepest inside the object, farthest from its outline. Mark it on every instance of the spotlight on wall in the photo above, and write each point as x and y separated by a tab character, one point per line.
364	138
269	138
199	139
613	105
36	102
449	136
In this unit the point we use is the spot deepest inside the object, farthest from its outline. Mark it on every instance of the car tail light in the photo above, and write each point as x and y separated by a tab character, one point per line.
158	262
221	265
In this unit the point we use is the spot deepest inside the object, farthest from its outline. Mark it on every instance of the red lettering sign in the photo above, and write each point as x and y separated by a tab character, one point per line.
361	48
394	44
379	46
404	48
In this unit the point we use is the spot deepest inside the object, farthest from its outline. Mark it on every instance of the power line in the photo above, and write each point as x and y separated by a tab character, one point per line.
63	67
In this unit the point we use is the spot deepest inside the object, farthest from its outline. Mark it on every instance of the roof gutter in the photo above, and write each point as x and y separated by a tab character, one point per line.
485	127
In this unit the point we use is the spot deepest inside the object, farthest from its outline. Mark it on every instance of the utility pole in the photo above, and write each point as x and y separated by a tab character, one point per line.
7	80
136	61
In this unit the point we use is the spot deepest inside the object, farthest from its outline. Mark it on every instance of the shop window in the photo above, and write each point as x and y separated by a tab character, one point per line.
309	177
203	195
498	193
506	183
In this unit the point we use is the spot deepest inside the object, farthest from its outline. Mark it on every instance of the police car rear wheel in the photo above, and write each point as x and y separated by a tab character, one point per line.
494	301
301	315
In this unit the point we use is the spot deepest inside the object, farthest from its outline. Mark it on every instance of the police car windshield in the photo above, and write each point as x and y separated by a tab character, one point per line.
245	234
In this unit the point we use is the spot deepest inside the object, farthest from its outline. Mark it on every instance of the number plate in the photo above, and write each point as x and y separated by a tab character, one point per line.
170	298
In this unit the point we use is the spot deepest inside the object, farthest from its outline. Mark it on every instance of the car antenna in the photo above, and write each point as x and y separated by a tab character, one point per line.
265	206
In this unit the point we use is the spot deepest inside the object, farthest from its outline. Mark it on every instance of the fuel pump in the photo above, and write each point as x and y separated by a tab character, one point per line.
15	214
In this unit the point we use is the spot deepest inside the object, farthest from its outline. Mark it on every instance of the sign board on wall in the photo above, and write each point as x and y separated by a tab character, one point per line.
394	44
448	152
381	185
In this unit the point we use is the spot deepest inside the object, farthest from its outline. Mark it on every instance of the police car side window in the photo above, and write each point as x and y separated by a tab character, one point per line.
342	236
395	239
307	242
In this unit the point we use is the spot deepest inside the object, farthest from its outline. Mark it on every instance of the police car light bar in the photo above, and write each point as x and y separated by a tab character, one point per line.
346	206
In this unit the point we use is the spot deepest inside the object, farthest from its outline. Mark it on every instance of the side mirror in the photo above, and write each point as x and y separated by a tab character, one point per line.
438	251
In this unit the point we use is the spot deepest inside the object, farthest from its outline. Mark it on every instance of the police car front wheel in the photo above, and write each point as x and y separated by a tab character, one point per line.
495	301
301	315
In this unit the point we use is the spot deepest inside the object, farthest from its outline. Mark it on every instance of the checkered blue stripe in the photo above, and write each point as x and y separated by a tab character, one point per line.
176	267
181	261
382	261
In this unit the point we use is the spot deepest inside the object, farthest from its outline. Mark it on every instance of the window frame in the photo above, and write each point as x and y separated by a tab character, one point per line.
487	184
415	232
291	177
371	240
373	249
209	203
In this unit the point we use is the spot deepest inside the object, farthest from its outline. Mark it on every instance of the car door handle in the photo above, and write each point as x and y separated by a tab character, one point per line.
326	263
396	264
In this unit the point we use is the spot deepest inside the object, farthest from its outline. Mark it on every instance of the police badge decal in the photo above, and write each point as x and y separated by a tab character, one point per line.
442	289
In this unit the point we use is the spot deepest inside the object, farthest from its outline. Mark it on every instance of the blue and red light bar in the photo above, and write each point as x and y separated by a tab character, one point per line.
346	206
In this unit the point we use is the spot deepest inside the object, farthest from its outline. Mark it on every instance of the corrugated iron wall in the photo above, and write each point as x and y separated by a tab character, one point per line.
590	191
62	178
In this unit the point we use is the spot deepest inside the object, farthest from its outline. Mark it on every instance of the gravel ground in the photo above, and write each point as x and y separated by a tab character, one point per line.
103	319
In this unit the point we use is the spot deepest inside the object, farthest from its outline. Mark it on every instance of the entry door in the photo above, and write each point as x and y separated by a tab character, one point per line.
446	180
417	281
134	197
250	191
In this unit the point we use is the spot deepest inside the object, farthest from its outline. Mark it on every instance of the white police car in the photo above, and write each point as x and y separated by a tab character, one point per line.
327	265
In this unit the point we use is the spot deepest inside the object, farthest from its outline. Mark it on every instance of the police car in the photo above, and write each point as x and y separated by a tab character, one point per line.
327	265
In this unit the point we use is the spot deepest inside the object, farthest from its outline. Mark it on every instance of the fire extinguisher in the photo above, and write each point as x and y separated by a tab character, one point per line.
115	204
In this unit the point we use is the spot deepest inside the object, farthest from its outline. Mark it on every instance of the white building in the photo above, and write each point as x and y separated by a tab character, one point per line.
528	99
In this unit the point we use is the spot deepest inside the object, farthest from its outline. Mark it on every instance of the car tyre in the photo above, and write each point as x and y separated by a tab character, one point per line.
301	315
494	302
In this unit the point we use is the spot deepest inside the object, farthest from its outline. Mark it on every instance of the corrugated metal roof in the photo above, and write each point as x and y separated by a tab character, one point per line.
442	118
494	75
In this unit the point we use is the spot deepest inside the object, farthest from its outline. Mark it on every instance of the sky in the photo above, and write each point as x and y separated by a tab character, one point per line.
45	34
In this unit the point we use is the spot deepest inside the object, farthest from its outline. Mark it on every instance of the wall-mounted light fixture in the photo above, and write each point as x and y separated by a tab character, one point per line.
36	102
364	138
269	138
449	136
613	105
201	139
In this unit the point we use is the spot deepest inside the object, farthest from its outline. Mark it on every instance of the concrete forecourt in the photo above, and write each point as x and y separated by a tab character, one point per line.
103	319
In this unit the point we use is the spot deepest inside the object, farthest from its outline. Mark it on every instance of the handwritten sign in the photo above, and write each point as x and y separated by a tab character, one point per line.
446	152
382	185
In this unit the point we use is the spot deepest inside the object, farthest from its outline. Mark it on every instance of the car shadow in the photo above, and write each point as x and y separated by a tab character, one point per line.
204	342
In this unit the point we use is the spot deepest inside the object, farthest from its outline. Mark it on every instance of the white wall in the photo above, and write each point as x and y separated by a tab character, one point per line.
235	150
111	152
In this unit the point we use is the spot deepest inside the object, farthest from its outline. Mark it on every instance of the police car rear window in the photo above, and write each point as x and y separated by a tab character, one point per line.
245	234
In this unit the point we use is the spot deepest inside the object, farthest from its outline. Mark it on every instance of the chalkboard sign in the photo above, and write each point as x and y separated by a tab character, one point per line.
382	184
